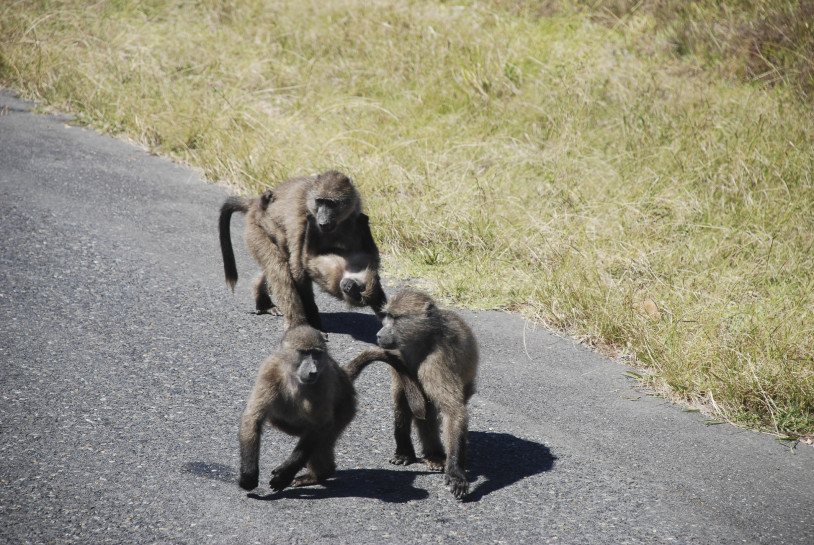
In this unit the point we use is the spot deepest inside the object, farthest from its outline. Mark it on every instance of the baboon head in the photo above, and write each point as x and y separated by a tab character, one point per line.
332	199
306	353
410	319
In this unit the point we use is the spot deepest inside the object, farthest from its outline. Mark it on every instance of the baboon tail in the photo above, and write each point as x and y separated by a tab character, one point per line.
232	204
412	389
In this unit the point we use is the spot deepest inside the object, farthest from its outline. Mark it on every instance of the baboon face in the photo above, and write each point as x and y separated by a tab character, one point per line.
387	337
308	355
409	318
332	199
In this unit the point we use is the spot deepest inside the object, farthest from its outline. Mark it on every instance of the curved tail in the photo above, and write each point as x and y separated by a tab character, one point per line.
412	389
232	204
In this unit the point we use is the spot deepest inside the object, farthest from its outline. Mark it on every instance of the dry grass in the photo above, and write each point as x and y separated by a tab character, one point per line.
557	166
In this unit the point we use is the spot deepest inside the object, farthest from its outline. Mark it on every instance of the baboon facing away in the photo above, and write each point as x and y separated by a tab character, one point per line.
440	348
303	392
305	231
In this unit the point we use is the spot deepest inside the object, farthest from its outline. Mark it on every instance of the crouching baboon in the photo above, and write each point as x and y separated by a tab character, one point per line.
440	348
303	392
305	231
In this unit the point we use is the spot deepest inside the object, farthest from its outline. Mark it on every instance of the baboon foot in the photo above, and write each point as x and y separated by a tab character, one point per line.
352	290
457	484
402	459
248	481
262	301
306	479
434	462
273	310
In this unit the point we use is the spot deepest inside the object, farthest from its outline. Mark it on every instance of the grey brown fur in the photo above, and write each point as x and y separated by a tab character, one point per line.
302	391
440	348
305	231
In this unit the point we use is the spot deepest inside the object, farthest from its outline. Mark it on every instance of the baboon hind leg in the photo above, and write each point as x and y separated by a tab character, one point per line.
262	299
286	294
430	437
284	473
320	466
309	305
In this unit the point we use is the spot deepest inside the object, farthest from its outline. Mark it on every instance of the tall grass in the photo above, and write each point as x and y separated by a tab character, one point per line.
554	165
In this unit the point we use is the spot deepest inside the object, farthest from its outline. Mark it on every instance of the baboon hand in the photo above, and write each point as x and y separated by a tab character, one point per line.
280	480
457	484
351	289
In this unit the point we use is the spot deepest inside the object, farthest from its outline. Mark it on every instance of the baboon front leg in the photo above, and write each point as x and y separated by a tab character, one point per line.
250	428
284	473
402	419
455	437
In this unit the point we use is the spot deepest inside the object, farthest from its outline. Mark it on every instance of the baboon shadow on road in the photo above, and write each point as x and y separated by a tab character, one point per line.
499	459
362	327
502	459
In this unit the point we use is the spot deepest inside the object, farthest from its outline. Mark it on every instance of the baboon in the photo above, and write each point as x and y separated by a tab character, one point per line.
440	348
305	231
303	392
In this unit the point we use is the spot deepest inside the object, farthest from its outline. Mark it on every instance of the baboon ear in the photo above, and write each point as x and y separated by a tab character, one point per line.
266	198
429	307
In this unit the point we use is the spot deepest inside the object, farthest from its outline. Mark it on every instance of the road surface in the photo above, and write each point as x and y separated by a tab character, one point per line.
126	362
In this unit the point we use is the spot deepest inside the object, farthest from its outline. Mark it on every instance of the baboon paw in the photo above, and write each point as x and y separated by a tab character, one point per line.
459	486
279	482
434	463
248	481
402	459
273	311
305	480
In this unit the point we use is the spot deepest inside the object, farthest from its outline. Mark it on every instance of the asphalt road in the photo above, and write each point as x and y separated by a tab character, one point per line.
126	362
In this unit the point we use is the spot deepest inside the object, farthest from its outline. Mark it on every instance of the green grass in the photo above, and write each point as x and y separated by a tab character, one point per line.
565	164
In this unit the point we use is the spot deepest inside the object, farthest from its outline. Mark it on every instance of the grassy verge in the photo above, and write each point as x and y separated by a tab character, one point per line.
568	166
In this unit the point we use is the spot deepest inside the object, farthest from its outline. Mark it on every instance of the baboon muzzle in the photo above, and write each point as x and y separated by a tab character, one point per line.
307	372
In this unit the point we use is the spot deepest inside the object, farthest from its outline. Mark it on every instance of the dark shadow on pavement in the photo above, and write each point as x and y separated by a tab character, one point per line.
362	327
503	459
391	486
